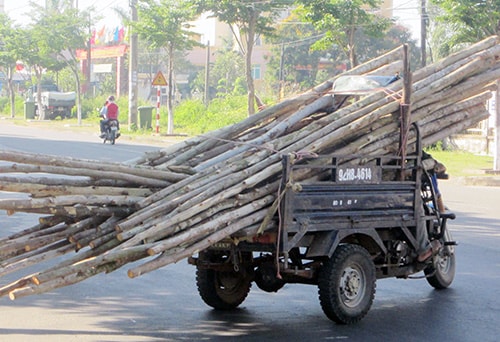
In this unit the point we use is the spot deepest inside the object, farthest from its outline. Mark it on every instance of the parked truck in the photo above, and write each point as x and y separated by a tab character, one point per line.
54	102
57	104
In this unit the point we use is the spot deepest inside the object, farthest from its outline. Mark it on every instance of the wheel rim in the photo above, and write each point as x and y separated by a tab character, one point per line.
443	263
352	286
228	283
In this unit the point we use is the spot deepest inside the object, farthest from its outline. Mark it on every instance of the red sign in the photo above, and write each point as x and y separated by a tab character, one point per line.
102	52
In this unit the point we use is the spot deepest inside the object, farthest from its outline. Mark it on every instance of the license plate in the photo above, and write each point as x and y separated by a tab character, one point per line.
358	174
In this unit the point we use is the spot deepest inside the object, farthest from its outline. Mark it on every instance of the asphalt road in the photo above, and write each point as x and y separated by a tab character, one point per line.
164	305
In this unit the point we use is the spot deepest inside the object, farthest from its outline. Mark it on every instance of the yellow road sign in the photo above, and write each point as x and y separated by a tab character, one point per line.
159	80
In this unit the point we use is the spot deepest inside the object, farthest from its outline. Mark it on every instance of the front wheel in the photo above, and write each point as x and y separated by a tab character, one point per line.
441	273
222	290
347	284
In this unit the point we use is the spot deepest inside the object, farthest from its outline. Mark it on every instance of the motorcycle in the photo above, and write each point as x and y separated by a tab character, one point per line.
111	132
111	129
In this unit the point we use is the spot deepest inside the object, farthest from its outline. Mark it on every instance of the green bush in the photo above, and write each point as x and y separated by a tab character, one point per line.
192	117
5	106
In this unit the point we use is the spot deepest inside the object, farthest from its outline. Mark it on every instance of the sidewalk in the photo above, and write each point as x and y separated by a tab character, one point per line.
485	180
67	130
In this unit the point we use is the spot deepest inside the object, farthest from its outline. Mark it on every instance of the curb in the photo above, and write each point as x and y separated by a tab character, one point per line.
479	180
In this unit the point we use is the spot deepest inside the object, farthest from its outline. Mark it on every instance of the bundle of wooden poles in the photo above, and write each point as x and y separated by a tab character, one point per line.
172	203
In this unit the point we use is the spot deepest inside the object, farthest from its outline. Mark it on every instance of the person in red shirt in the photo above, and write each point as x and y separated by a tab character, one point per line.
112	112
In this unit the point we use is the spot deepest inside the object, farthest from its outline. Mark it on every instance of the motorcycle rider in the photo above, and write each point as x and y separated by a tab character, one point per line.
434	168
111	111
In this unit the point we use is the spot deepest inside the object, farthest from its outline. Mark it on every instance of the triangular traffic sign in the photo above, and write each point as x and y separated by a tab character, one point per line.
159	80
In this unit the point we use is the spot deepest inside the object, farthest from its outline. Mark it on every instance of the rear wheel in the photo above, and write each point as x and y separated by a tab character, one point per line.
347	284
222	290
441	273
112	136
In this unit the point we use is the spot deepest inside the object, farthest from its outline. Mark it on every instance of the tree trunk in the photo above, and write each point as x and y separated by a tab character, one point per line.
12	93
79	95
171	88
250	39
496	159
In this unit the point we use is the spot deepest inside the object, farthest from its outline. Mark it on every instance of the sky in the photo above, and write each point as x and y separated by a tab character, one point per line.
18	9
408	14
406	10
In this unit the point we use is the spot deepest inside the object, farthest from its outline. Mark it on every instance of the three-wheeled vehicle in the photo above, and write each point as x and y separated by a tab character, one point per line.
343	222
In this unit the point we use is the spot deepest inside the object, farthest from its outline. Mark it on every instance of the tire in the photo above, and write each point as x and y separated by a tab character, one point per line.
346	284
222	290
112	137
441	273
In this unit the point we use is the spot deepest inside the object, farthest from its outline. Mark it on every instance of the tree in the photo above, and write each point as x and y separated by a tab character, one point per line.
247	20
468	21
164	25
342	22
54	36
293	64
10	53
371	47
225	73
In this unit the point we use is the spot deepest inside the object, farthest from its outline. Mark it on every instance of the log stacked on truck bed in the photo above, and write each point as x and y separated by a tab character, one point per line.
172	203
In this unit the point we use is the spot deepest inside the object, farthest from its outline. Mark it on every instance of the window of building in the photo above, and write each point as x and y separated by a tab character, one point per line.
258	41
256	72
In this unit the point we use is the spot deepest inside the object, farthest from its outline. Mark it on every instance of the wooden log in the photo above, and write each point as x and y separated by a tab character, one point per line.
21	244
225	207
306	111
62	180
50	220
477	82
21	282
221	191
81	211
459	56
46	202
167	204
225	133
132	179
168	258
42	190
103	239
70	279
193	185
119	256
44	223
198	232
91	167
35	257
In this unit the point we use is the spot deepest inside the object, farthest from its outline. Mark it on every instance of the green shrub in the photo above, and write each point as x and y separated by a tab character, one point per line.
5	106
192	117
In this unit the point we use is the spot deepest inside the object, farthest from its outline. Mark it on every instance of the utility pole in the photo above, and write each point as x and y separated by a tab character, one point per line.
423	32
89	61
132	70
280	76
496	155
207	75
